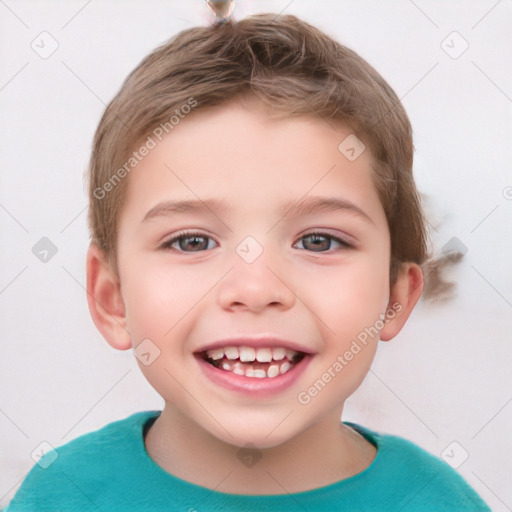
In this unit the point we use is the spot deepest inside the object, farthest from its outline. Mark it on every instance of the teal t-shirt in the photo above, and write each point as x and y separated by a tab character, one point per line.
110	470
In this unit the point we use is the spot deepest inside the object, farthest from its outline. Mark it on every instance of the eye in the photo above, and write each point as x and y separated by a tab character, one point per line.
188	242
321	242
197	242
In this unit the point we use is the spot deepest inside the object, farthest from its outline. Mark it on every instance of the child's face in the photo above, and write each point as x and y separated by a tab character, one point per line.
317	293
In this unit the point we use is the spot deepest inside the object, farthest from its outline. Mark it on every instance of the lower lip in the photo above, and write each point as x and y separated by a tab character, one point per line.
260	387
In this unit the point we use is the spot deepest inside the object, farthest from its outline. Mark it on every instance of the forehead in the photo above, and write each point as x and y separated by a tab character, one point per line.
238	153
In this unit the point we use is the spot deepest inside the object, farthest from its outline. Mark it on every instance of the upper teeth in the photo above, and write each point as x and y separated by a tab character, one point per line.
251	354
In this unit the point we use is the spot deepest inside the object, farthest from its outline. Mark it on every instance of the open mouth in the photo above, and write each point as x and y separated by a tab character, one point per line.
259	363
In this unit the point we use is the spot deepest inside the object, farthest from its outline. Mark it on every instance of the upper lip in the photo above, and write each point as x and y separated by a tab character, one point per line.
256	342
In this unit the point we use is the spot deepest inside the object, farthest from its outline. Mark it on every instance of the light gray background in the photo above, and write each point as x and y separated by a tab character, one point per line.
445	378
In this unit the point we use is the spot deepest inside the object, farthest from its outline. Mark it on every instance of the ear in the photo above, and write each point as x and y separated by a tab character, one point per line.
404	294
105	300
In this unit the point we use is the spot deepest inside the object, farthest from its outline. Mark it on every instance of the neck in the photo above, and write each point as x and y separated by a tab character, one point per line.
322	454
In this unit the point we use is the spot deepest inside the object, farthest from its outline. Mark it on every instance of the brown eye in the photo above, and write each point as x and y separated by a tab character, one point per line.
321	242
188	242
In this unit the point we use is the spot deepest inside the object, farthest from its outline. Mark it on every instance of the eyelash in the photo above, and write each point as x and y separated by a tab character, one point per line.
167	245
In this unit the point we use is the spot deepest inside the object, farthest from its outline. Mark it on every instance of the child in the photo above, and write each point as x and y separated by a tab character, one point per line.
285	161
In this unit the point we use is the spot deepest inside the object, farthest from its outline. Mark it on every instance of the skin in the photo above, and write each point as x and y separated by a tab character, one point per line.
321	296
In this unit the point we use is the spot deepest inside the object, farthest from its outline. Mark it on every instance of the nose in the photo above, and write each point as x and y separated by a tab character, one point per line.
256	286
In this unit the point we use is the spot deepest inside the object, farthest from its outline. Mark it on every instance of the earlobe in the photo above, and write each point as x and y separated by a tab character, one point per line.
105	300
404	295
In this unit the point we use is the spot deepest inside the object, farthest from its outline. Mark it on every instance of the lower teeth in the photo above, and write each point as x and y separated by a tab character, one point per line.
272	370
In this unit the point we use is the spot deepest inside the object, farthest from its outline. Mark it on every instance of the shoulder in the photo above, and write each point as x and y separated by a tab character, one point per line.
423	481
67	474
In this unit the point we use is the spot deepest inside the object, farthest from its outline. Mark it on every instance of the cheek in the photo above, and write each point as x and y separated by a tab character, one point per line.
349	298
160	302
157	297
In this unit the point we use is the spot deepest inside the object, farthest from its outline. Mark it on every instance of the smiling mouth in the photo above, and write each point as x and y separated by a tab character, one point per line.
257	363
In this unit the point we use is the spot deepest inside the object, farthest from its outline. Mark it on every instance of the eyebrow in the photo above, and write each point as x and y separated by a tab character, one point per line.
309	205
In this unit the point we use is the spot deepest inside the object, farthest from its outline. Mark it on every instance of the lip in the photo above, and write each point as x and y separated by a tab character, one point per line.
253	386
256	342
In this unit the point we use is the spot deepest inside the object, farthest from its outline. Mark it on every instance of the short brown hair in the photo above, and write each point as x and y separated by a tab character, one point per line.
295	69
